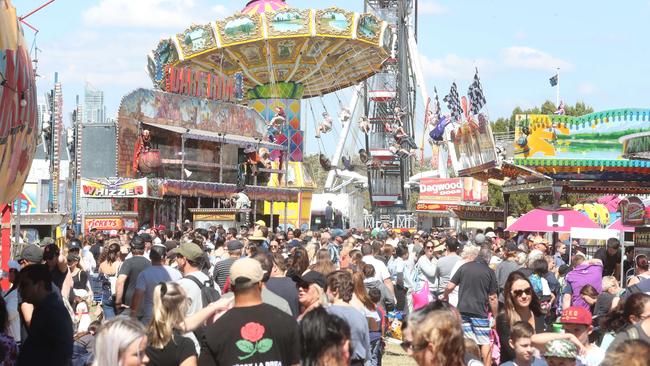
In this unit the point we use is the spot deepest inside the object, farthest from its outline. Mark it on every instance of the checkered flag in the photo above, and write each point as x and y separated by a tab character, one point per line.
453	103
475	94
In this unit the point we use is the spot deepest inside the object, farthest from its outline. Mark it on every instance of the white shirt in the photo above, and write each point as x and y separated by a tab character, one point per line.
594	357
195	299
381	271
453	296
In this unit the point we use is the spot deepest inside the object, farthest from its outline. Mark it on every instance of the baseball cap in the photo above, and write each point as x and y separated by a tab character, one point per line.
161	227
235	245
491	235
74	244
31	253
113	234
246	272
512	247
479	239
137	243
438	247
309	278
260	223
51	251
73	258
561	348
576	315
171	244
146	238
190	251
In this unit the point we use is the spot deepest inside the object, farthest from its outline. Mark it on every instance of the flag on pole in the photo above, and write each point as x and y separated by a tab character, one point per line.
476	96
437	110
553	80
453	103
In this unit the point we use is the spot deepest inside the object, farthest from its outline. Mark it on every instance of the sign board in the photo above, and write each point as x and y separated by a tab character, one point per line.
642	240
114	188
452	190
473	149
437	207
201	84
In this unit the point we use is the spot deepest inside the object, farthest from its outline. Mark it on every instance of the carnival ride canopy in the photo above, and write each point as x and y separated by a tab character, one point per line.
283	52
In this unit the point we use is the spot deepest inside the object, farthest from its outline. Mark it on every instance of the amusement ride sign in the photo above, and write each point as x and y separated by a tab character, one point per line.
201	84
114	188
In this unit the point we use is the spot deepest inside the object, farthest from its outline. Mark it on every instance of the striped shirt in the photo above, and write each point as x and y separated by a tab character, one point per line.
222	271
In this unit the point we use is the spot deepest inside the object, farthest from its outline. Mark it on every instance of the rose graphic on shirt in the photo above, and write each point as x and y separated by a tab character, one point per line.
253	341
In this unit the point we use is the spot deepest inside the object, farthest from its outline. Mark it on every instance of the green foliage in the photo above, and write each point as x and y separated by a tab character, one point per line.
548	107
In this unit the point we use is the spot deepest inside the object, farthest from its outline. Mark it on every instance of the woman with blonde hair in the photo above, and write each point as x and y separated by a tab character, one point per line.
121	341
167	345
438	340
323	263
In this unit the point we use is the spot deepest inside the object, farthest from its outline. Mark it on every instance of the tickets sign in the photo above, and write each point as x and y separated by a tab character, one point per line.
114	188
104	223
423	206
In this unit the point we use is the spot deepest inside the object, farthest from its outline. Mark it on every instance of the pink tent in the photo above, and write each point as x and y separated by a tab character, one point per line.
546	220
618	225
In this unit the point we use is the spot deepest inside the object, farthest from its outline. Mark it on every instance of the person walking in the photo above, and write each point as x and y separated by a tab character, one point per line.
251	332
121	341
128	276
340	288
477	294
190	260
50	332
109	266
142	304
222	268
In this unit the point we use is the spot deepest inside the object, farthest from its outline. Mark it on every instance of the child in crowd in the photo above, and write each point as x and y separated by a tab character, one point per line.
521	343
560	352
577	320
81	310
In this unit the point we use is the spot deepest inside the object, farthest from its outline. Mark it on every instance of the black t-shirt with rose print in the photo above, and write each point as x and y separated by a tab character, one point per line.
253	335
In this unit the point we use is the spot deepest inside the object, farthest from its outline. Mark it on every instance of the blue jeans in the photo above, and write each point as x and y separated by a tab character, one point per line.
108	307
376	350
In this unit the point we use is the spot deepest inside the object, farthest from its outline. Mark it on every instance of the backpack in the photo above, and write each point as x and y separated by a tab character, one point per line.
209	294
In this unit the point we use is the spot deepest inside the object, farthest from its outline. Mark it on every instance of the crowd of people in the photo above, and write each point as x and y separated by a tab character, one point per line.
251	296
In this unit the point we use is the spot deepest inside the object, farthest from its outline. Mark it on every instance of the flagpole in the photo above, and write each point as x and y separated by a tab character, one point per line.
557	96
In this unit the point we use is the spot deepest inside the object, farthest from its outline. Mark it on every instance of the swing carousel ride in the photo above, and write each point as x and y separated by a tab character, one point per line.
286	54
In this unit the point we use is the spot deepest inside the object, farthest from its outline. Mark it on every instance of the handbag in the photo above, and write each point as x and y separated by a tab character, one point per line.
421	296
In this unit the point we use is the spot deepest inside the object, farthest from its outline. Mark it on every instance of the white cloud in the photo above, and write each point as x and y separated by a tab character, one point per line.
533	59
452	66
170	14
587	89
429	7
521	35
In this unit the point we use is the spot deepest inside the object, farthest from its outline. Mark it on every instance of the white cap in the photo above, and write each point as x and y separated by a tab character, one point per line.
491	234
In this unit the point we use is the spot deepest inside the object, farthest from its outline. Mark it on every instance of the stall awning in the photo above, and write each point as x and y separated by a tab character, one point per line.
195	134
173	187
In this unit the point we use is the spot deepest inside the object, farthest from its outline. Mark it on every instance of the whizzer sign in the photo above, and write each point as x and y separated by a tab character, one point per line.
114	188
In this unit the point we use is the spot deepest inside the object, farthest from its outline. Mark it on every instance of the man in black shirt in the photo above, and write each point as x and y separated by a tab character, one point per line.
128	276
251	332
50	333
477	291
611	258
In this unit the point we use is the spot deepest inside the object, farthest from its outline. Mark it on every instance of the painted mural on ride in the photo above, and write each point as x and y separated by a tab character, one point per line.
18	115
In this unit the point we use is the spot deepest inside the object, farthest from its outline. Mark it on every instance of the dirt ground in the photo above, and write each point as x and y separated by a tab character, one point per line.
395	356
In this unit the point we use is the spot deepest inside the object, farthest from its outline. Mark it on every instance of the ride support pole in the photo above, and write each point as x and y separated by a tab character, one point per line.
6	242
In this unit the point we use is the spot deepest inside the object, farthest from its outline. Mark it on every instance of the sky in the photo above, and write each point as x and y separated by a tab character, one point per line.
600	47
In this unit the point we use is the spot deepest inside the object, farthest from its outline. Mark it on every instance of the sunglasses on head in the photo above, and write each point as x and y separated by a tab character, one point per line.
519	293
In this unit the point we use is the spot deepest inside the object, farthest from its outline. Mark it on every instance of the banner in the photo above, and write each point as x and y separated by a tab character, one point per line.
114	188
453	190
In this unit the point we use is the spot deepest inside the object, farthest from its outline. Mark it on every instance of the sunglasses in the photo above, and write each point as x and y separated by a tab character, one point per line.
428	247
519	293
303	285
408	345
